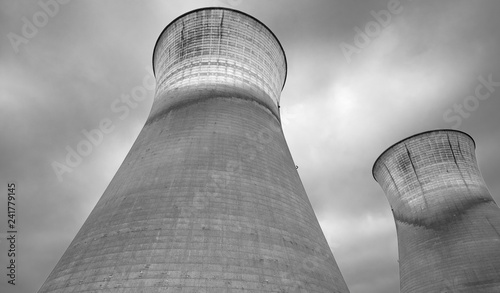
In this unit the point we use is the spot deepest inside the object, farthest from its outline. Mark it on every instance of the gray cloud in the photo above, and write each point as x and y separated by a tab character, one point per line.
338	116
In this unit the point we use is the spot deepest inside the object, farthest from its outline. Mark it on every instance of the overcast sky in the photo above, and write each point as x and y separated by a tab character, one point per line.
348	97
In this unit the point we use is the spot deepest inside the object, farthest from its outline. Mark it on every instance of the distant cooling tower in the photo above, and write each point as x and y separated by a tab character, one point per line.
208	199
447	223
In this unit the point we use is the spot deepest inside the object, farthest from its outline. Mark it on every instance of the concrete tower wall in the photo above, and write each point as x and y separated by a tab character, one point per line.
447	223
208	199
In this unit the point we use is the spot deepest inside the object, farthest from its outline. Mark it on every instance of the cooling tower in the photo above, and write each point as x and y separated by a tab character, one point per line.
448	225
208	199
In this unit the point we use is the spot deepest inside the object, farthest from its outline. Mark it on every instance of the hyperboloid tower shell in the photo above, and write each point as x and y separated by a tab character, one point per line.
448	224
208	199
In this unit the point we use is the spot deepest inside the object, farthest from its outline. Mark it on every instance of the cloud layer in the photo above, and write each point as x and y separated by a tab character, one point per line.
338	114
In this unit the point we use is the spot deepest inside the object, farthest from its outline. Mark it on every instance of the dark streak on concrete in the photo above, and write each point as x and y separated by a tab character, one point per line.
456	163
392	178
416	175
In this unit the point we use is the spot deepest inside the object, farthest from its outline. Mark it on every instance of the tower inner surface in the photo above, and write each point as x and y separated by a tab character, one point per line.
208	199
447	221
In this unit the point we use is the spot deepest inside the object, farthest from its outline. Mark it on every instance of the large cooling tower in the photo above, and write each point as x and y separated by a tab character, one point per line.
447	223
208	199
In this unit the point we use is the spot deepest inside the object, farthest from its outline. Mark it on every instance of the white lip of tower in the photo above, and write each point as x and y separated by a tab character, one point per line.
215	46
384	153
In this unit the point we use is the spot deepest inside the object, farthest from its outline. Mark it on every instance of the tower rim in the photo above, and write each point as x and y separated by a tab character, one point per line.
413	136
228	9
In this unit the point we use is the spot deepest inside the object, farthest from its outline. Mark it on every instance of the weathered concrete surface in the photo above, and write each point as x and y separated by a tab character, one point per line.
448	224
207	200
